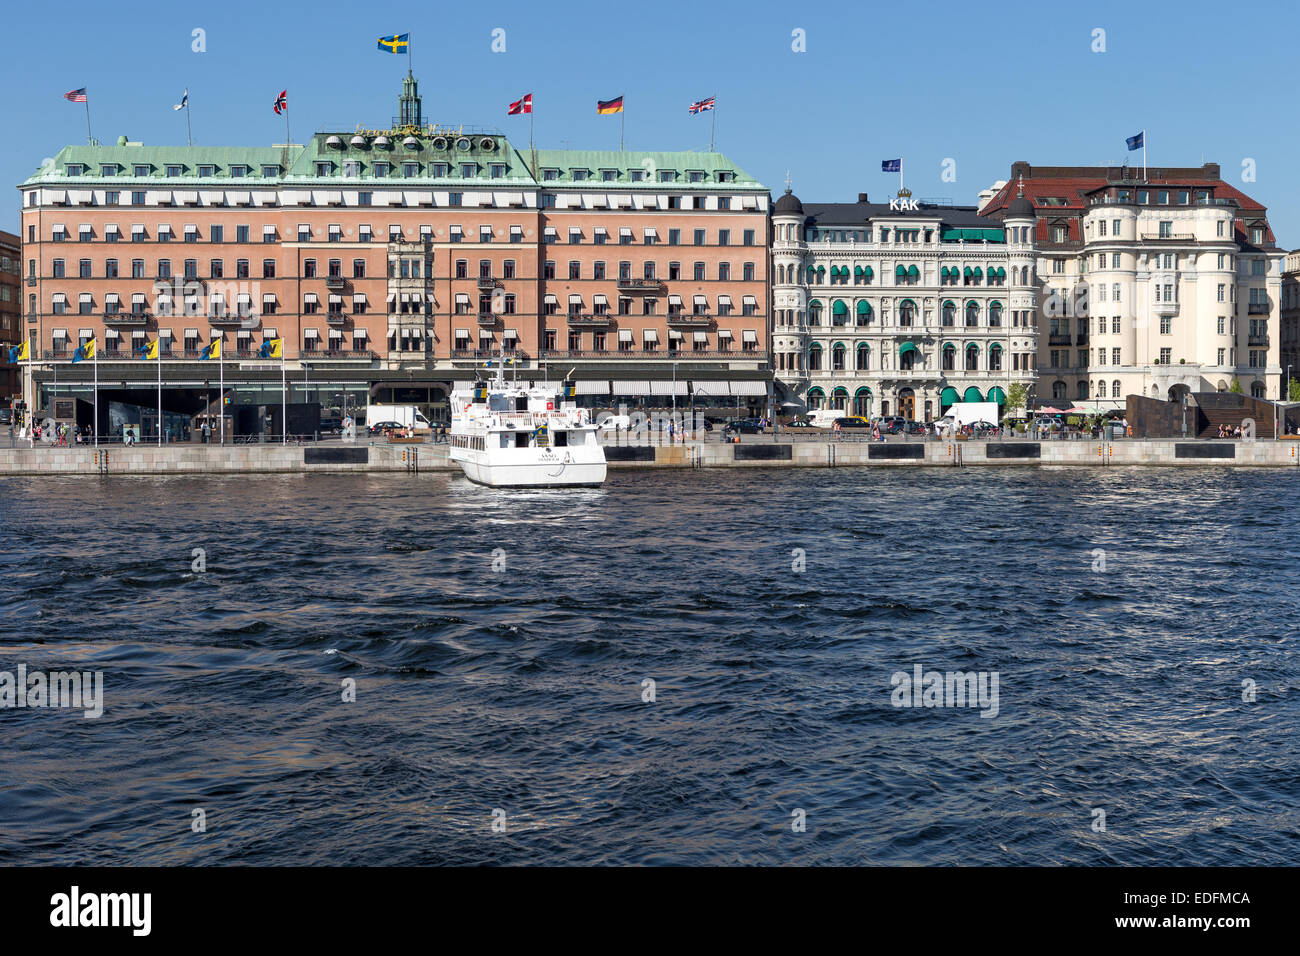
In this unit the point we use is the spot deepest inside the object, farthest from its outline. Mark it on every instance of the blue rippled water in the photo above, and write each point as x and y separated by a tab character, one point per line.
519	688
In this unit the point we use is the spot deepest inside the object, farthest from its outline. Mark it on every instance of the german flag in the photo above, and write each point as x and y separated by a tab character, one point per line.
604	107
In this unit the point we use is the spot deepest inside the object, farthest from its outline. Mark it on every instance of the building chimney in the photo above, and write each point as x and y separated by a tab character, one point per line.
862	197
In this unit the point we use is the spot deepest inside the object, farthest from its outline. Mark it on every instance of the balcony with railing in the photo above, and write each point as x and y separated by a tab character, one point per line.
31	280
1260	339
518	355
1058	338
233	320
1169	237
335	283
486	319
690	319
1257	308
639	285
1081	338
588	319
675	355
336	319
132	319
486	283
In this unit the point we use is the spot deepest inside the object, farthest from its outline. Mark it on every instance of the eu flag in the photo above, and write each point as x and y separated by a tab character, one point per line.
395	43
1137	142
891	165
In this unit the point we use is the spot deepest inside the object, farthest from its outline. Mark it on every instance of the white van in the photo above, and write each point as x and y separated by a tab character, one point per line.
406	416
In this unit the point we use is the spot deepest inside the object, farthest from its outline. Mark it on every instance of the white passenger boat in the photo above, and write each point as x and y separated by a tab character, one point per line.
511	435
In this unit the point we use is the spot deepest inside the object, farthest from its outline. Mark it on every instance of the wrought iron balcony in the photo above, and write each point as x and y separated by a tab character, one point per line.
486	283
1257	339
31	280
583	320
639	285
336	319
335	283
698	320
137	319
486	319
1257	308
1059	339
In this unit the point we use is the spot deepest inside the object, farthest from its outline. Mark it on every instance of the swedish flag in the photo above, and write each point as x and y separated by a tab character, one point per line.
272	348
86	351
213	351
395	43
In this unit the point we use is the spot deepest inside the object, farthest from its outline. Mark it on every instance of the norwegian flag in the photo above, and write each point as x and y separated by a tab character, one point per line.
521	106
701	105
281	102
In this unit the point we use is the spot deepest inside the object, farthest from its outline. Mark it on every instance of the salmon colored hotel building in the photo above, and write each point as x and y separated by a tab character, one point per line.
394	263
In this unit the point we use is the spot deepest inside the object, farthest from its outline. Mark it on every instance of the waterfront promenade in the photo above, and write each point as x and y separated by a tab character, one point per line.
754	451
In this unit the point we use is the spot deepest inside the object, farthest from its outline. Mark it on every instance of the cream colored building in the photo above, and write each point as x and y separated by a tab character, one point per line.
1154	286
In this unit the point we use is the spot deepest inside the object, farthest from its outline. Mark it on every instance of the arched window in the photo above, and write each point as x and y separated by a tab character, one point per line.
816	398
864	313
1082	391
1058	390
863	353
972	358
949	357
821	275
995	313
840	398
837	356
815	312
1257	390
907	312
815	358
995	357
972	314
1114	389
949	313
862	402
839	312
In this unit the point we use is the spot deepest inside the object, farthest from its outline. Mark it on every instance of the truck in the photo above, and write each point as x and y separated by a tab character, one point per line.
406	416
967	413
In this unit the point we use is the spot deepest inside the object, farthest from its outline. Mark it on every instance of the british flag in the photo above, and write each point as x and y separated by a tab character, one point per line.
701	105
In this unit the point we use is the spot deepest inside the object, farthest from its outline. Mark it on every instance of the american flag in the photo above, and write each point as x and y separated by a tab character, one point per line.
76	96
702	105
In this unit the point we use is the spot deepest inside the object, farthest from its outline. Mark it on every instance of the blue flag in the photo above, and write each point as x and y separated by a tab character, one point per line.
891	165
1137	142
396	43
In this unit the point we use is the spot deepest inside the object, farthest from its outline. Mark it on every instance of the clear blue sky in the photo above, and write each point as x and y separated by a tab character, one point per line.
983	84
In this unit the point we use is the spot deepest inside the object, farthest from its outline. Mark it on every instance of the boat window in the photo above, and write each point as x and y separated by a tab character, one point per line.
521	439
521	403
560	439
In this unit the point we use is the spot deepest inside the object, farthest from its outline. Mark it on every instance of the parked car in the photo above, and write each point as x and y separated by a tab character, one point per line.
799	423
852	422
891	425
743	426
985	430
6	416
378	428
917	428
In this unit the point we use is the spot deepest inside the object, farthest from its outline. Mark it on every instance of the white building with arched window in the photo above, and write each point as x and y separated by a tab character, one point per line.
882	310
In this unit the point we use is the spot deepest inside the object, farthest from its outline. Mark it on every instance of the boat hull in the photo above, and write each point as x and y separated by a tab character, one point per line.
534	474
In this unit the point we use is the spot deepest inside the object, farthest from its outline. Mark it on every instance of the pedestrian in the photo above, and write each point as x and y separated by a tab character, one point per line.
672	431
835	429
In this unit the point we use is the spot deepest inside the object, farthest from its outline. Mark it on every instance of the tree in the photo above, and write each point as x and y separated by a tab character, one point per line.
1293	393
1018	397
1235	387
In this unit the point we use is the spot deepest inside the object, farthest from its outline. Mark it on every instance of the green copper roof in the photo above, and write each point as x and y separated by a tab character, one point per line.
126	157
565	161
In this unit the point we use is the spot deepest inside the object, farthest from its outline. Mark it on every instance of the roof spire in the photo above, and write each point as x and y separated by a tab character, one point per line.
409	109
1022	186
787	182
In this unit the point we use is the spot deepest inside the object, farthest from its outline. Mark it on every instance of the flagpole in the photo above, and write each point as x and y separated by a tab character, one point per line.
189	135
900	174
713	127
221	385
90	139
284	402
1144	154
157	344
95	430
622	121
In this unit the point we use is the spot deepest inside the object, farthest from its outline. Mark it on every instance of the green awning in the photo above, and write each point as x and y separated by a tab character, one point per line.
972	235
968	272
948	396
949	304
821	269
979	274
900	271
1002	273
907	347
868	271
997	395
864	308
839	308
812	271
972	394
816	391
862	391
857	271
995	304
912	272
943	273
840	392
